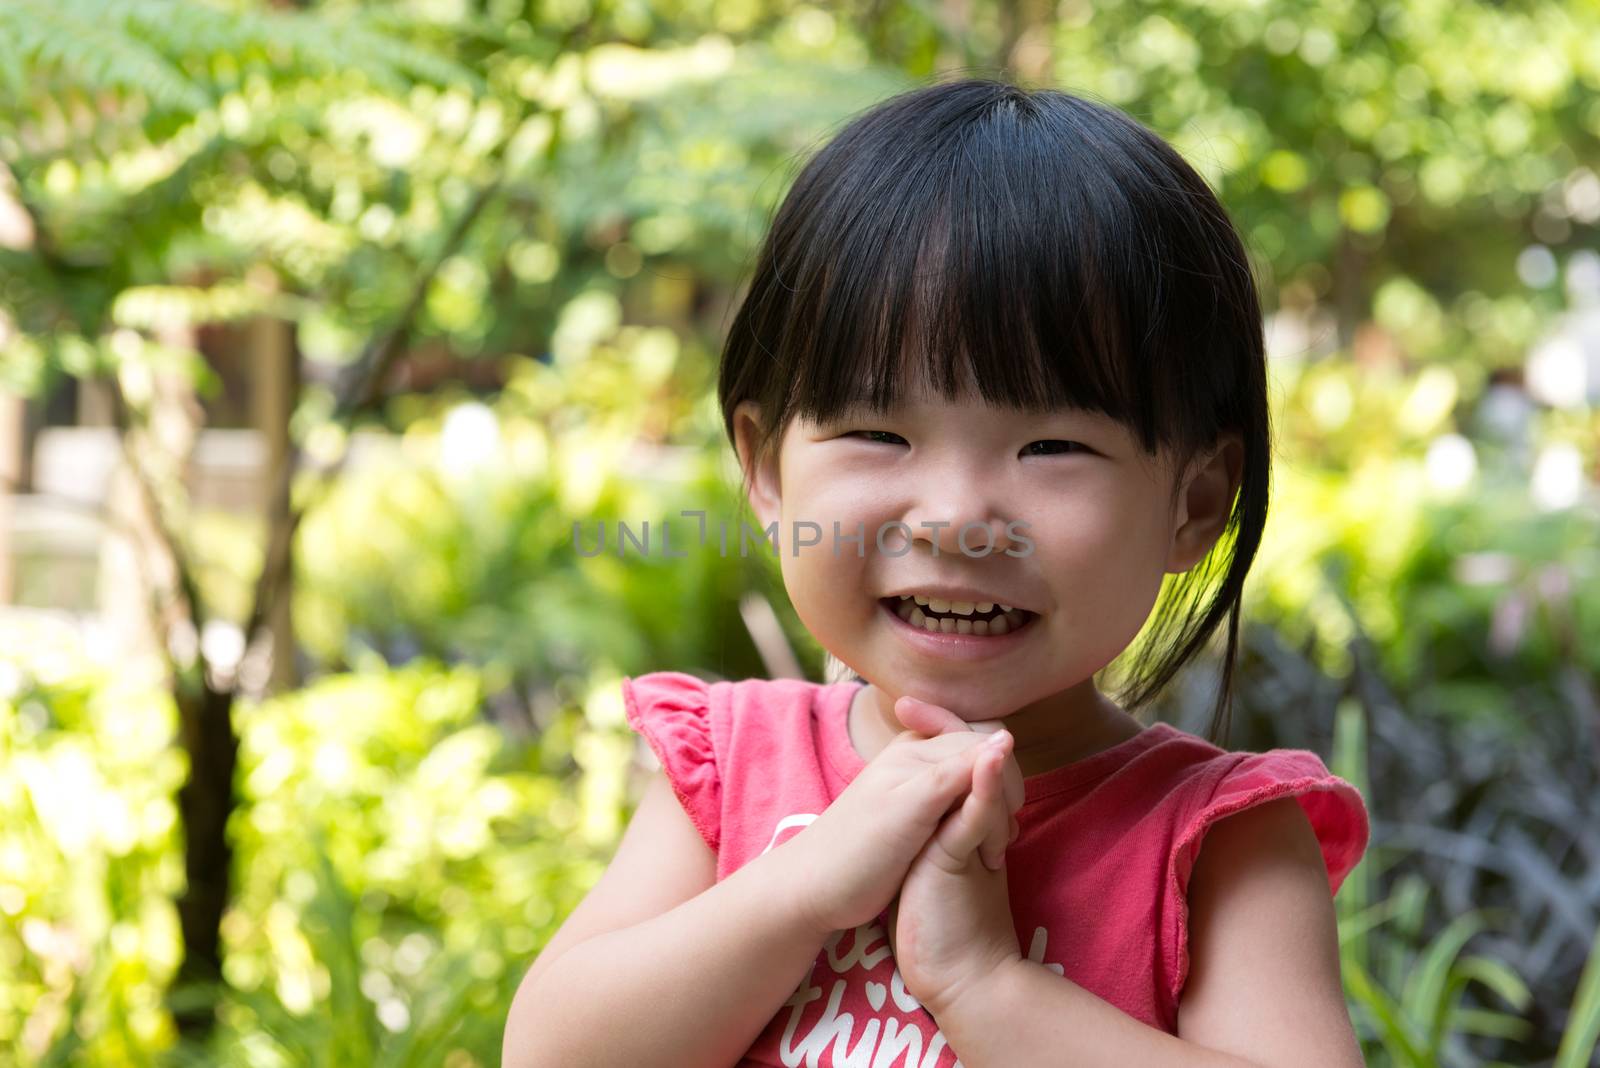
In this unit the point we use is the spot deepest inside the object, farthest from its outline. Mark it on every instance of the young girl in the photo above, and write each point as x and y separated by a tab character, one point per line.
999	373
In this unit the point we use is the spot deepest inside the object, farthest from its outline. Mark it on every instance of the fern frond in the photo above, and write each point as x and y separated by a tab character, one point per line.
163	50
87	44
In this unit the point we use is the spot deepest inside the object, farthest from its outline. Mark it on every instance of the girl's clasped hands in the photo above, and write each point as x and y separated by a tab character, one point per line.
923	830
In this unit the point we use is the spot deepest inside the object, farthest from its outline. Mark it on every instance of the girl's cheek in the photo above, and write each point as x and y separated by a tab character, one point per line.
1094	524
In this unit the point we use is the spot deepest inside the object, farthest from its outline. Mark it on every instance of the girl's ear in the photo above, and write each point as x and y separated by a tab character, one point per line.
1205	501
760	471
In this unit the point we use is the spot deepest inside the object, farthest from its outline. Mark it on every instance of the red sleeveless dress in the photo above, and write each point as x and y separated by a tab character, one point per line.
1098	874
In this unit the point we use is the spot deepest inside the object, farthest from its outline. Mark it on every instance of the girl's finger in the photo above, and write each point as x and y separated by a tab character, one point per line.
997	820
1015	791
971	825
925	717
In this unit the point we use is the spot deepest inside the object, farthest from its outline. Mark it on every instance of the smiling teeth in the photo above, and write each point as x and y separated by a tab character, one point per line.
909	610
960	608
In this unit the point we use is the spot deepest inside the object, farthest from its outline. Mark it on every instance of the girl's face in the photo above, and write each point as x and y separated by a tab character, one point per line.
1090	536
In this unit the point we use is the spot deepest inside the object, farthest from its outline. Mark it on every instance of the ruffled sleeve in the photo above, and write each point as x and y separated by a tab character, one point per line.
1334	808
672	711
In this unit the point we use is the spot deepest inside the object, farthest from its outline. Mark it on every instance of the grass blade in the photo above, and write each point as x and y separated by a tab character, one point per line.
1583	1023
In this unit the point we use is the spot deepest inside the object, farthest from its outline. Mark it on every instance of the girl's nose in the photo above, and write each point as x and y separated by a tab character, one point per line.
960	529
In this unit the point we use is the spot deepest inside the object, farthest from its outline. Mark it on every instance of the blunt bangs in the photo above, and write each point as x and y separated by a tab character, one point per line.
1039	247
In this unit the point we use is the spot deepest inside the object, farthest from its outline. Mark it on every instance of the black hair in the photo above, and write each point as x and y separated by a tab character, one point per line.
1055	251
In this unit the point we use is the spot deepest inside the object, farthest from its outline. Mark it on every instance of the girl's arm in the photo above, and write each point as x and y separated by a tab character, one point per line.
660	964
1264	976
1263	989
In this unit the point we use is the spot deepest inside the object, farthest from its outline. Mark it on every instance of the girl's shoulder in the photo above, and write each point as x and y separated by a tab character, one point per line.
1239	780
671	710
696	704
1201	783
1180	785
711	736
665	694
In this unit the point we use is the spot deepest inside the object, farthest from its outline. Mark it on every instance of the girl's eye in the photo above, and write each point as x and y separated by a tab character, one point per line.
1028	449
878	435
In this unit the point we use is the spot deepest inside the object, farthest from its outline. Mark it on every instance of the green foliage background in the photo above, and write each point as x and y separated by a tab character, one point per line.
417	820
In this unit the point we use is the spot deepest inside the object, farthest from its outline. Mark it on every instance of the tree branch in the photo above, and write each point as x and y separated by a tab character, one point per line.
359	391
188	587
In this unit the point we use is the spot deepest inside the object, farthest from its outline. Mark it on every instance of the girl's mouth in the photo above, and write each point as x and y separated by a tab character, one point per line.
946	618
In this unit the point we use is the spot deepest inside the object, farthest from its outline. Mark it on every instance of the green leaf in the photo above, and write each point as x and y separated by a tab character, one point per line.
1583	1025
1427	988
1393	1030
1498	976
